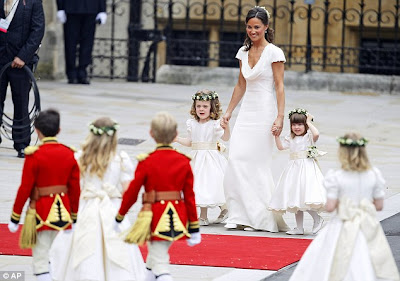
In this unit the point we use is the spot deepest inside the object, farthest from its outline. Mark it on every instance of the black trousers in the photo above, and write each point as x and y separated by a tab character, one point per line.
78	30
20	84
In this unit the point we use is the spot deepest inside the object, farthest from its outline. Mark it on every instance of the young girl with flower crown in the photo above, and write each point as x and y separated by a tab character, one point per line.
300	186
208	164
96	252
353	245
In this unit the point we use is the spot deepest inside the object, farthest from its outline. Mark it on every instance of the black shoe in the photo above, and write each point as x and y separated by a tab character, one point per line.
21	153
84	81
73	81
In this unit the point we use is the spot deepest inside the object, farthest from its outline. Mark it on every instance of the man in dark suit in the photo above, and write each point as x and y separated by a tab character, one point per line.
21	32
79	18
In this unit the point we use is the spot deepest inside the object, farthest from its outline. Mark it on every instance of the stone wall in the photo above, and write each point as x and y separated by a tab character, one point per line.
343	82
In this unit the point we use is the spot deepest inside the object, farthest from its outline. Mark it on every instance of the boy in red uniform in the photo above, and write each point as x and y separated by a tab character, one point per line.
50	178
168	181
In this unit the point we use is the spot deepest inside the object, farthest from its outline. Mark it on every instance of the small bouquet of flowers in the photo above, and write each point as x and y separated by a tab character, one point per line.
313	152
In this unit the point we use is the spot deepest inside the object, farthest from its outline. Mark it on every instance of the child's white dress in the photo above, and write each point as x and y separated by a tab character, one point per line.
300	184
208	164
352	246
95	251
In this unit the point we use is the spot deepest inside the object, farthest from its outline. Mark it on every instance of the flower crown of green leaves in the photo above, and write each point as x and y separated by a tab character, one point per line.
350	142
200	96
265	9
299	111
109	130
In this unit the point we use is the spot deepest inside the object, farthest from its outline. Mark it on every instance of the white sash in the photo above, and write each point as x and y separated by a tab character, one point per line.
99	203
355	219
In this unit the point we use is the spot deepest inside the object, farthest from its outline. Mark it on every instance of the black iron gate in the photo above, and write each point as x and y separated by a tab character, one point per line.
124	49
336	36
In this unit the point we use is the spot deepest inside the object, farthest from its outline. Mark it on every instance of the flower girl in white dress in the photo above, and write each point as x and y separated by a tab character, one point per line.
95	251
300	186
353	246
208	164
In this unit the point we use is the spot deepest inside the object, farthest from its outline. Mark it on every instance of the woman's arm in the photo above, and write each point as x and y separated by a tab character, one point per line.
237	95
278	71
331	205
312	128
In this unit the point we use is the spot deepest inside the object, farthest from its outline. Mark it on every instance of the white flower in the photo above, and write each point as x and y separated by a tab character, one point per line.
349	141
100	131
110	133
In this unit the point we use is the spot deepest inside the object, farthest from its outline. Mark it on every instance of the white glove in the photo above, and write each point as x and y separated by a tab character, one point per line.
102	17
13	227
116	227
194	239
62	16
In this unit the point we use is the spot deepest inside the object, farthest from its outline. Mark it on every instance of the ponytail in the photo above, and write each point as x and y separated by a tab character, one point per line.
269	35
247	43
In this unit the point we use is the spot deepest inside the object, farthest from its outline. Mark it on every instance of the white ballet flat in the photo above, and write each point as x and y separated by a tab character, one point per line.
248	228
295	231
222	216
318	226
203	222
230	225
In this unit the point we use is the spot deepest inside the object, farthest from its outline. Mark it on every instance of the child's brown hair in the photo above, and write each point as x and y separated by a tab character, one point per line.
298	118
207	95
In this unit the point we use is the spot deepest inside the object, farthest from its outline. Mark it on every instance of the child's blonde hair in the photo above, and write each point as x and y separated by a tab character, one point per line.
99	147
207	95
164	127
353	155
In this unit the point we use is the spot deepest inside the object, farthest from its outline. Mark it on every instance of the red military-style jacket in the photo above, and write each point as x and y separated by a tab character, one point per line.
165	169
49	166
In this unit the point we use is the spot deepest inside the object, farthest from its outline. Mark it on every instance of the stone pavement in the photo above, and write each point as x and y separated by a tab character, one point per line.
133	105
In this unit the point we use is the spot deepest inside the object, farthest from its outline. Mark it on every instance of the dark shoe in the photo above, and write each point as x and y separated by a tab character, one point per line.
73	81
84	81
21	153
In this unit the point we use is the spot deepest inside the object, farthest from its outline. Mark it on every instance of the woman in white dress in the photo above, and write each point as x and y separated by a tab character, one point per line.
300	186
248	181
204	134
95	251
353	245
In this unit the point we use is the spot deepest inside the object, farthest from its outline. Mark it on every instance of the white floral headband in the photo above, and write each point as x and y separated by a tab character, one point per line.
299	111
205	97
109	130
350	142
266	11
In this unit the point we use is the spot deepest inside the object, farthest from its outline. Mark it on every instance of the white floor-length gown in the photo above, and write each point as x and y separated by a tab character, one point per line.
248	181
95	251
352	246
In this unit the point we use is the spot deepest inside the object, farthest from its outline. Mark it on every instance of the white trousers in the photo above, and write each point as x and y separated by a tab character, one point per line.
158	257
40	252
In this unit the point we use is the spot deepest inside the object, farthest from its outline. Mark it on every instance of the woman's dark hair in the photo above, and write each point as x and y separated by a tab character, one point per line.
261	14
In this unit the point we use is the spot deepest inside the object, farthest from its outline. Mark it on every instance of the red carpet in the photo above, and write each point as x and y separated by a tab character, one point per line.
214	250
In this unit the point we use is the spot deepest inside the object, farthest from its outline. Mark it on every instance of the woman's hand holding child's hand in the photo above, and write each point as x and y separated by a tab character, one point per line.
224	123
